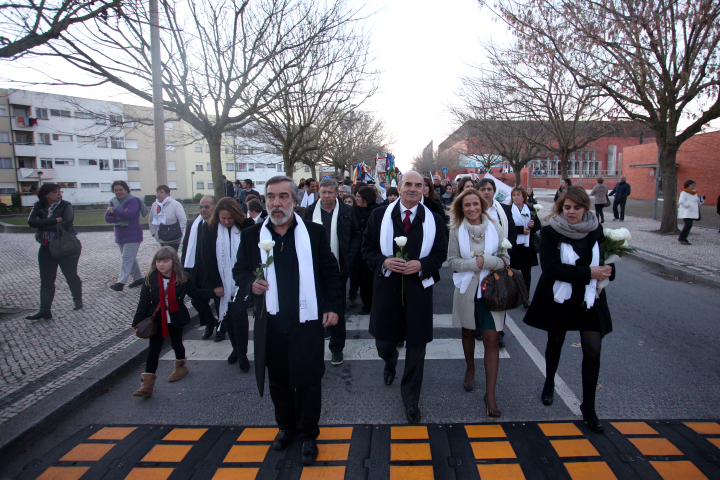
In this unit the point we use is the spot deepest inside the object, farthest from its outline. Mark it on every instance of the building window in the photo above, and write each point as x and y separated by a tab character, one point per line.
45	138
200	185
7	190
101	142
84	115
280	167
242	150
261	182
229	150
46	163
86	162
67	184
3	111
169	148
60	113
199	167
307	169
85	140
169	126
100	120
105	187
196	131
210	185
6	163
171	166
62	138
207	148
294	168
198	148
119	165
130	124
41	113
228	134
4	137
134	185
115	120
208	166
22	138
133	164
89	185
242	167
251	167
20	111
229	167
271	166
131	144
117	143
104	164
65	161
172	185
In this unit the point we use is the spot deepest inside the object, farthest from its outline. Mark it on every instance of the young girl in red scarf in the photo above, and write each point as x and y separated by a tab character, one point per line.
166	280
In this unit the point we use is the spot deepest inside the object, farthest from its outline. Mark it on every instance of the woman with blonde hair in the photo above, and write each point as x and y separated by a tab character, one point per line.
473	253
166	281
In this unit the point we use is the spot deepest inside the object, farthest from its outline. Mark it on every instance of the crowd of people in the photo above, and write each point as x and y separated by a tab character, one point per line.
295	258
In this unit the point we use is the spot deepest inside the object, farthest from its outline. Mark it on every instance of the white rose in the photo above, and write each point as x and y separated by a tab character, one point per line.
606	232
625	234
505	244
401	241
538	207
615	235
266	245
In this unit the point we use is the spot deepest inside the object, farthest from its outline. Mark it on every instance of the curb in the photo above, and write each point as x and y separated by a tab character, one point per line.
19	432
9	228
682	273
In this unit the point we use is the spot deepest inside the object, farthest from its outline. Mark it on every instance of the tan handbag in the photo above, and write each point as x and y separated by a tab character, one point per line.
504	289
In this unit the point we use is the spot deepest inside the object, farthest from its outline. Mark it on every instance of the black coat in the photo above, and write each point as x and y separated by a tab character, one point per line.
349	235
435	206
150	297
512	229
306	356
621	192
546	314
39	218
209	253
386	315
197	273
520	255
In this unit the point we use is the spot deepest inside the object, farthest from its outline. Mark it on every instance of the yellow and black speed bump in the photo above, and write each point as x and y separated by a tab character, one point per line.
653	450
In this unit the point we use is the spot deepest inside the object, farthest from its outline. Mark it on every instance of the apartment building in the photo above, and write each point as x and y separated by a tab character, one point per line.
8	178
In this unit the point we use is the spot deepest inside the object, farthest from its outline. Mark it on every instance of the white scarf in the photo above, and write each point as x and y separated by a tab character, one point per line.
492	241
317	218
192	243
307	294
563	290
521	220
502	218
160	217
226	248
387	238
307	199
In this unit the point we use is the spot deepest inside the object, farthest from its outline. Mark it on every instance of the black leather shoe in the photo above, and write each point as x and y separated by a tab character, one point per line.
244	363
78	305
412	414
136	283
219	336
592	421
233	357
309	452
208	332
337	358
388	376
118	287
283	439
41	315
327	334
548	394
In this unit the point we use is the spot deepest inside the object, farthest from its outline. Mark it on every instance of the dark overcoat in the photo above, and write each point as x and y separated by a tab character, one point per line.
150	297
520	255
197	273
349	234
306	356
387	320
544	312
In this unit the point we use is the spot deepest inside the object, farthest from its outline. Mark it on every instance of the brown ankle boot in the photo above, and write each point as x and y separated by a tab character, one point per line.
179	372
146	389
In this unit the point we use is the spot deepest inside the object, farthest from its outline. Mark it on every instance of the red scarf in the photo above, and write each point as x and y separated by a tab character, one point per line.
172	301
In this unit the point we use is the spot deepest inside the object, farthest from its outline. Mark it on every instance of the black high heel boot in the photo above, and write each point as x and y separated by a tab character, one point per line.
548	393
592	420
42	314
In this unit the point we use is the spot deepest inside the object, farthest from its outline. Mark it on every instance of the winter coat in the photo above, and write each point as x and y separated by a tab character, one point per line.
520	255
209	253
39	219
150	297
133	232
621	192
349	235
600	194
688	206
175	214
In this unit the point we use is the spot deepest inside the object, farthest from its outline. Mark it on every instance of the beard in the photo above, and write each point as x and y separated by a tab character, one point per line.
286	215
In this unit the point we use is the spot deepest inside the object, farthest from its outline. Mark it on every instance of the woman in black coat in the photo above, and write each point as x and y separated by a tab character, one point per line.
572	224
166	279
52	215
228	220
432	201
361	276
527	223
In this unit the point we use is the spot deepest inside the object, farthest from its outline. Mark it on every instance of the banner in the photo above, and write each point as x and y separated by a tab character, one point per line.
502	191
380	163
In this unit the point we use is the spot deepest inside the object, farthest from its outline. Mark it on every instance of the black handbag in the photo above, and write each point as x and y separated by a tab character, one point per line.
170	232
148	327
504	289
65	244
535	242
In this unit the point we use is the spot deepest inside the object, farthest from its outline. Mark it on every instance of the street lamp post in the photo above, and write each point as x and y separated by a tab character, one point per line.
192	185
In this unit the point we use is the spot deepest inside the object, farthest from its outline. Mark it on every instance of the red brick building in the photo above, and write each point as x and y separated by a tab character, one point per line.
698	159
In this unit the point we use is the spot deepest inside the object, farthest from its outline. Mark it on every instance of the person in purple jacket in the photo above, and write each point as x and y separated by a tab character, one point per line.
124	211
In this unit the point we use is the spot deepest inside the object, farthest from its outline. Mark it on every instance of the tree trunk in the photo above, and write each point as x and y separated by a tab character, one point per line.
313	173
288	164
668	157
564	159
215	143
518	181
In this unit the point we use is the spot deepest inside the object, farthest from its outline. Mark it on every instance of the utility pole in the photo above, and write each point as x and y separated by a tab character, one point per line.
158	116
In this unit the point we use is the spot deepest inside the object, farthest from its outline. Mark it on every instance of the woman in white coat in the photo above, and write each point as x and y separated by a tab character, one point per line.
473	252
688	209
169	212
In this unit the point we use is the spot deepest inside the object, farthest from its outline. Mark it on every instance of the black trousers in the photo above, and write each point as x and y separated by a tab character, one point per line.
204	311
526	273
617	204
156	344
411	383
337	335
599	212
237	326
686	229
48	273
295	408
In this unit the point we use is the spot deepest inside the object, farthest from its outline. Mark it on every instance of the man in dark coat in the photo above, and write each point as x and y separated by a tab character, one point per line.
247	189
348	239
398	315
194	266
229	187
621	192
289	343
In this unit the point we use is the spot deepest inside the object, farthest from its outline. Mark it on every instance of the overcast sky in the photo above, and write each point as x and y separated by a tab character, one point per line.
422	47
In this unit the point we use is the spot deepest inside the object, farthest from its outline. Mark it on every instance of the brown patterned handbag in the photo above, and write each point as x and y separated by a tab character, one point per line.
504	289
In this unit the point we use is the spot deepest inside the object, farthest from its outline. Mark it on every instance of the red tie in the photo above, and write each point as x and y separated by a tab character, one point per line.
406	222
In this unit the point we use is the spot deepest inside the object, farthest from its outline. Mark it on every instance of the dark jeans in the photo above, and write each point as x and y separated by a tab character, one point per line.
295	408
237	325
599	212
156	344
48	273
204	310
412	378
686	229
337	335
617	204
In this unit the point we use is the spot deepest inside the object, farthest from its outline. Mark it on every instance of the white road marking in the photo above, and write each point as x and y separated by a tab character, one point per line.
561	387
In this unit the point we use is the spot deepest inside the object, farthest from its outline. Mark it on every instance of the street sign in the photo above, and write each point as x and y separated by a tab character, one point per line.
445	171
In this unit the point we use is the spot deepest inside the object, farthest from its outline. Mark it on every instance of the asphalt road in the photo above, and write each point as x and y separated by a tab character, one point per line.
662	361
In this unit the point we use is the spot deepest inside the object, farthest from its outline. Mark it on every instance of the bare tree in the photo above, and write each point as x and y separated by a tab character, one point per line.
359	137
656	59
28	24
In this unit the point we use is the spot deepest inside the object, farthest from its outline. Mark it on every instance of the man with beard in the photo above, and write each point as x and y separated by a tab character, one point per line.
299	295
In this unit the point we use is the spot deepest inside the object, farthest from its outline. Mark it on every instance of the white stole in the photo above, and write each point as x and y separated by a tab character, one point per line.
563	290
307	293
226	248
317	218
387	236
492	242
521	221
160	217
308	199
192	243
502	218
